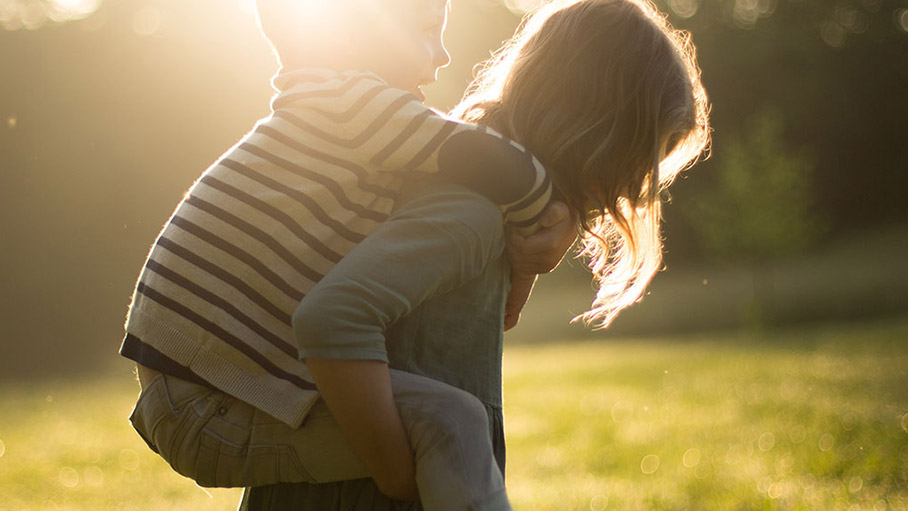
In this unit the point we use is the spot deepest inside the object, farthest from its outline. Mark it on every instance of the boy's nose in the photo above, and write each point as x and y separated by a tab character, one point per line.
442	57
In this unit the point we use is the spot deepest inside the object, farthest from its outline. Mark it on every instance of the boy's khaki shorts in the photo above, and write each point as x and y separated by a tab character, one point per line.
220	441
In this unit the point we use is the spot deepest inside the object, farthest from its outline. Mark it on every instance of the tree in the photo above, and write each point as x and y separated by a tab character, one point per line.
759	207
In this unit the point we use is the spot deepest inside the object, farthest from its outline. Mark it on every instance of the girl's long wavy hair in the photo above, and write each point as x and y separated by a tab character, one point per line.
608	96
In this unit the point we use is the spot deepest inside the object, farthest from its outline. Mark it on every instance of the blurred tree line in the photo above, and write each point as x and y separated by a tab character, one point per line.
107	118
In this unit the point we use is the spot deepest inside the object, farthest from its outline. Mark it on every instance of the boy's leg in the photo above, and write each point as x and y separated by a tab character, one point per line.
449	433
218	440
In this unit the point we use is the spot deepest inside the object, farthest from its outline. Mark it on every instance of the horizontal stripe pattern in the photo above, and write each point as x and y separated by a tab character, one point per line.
262	226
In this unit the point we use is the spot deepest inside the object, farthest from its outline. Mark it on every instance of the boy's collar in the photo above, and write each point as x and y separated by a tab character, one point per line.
288	77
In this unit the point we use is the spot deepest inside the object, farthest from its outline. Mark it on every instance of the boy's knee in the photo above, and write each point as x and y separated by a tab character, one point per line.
445	418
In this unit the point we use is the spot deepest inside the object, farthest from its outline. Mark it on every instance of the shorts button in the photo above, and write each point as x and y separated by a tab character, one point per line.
222	410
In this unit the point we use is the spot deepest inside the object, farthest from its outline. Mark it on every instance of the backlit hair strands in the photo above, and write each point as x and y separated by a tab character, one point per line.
608	96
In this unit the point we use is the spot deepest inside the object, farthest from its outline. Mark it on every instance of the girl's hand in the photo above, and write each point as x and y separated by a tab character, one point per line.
537	253
541	251
521	285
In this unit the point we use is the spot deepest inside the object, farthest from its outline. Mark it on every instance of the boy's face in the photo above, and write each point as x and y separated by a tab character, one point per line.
415	49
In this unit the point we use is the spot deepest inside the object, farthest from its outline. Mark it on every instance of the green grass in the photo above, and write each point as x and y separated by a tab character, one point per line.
812	419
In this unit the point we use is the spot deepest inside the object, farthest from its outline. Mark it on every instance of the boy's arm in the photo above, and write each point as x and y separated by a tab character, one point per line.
394	132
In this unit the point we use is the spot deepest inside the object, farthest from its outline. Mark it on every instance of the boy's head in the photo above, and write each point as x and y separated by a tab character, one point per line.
399	40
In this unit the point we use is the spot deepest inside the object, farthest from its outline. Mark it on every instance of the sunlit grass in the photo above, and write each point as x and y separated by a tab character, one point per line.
802	420
807	419
69	446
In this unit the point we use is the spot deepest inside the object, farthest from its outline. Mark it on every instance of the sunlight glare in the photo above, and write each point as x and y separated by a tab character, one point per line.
146	21
522	6
247	6
75	8
34	14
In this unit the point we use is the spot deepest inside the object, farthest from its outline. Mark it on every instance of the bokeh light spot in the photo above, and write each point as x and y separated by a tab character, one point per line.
69	477
766	442
691	458
684	8
11	121
776	490
93	476
901	18
649	464
855	484
905	422
797	434
129	460
826	442
849	421
146	21
735	454
598	503
622	411
833	34
2	448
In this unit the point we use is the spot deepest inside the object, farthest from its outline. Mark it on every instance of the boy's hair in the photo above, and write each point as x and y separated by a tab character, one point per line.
297	27
317	32
608	96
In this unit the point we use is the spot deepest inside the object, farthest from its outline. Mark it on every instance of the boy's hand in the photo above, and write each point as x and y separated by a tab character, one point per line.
541	251
537	253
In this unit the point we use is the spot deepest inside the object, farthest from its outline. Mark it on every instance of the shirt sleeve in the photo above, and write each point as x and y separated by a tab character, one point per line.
431	245
390	130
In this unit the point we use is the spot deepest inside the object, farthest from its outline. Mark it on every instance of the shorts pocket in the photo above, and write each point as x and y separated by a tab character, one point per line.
230	455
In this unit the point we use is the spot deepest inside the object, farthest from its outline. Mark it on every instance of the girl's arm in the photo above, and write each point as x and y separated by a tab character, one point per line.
537	253
432	245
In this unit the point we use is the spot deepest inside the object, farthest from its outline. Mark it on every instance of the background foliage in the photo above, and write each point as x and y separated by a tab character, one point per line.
109	110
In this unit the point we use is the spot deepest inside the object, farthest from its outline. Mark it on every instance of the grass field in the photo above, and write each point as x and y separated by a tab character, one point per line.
809	419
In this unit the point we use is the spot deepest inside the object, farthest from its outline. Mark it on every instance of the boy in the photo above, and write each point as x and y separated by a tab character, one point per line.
210	325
